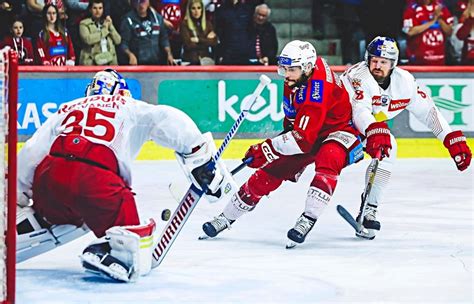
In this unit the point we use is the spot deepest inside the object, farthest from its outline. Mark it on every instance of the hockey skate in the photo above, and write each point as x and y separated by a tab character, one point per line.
96	258
216	226
297	234
369	224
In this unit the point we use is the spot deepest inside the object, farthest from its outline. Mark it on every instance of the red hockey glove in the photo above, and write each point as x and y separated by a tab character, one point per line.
378	139
456	144
262	153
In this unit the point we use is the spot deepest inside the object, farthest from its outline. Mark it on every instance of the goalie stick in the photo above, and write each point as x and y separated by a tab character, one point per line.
357	225
194	194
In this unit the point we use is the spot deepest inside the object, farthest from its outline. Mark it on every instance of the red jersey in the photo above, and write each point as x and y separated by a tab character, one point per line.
22	46
427	47
318	108
56	51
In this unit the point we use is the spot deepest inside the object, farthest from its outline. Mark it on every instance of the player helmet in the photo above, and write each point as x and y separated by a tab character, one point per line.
297	53
384	47
107	82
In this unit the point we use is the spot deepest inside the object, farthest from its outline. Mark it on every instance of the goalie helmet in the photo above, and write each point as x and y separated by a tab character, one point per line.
108	82
297	53
384	47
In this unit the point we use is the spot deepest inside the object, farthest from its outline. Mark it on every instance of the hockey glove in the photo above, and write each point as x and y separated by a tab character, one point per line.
262	153
378	139
456	144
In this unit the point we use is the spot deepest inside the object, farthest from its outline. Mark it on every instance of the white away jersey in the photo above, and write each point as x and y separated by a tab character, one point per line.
371	103
121	123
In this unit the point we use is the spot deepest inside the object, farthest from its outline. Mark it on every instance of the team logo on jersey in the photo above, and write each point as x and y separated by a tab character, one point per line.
356	83
385	100
300	94
398	104
316	91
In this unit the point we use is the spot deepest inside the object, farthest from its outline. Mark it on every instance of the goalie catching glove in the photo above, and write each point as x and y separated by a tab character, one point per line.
456	144
262	153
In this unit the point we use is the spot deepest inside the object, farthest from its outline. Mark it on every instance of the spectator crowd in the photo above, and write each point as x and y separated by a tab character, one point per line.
230	32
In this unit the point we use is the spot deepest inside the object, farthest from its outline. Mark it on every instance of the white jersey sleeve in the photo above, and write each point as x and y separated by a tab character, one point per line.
424	109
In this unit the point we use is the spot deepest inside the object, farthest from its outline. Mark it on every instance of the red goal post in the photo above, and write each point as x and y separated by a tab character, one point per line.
8	167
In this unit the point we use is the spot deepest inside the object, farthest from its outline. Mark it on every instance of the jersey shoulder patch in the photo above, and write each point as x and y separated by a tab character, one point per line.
316	93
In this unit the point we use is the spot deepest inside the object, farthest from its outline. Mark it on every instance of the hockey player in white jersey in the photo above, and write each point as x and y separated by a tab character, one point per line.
379	91
74	175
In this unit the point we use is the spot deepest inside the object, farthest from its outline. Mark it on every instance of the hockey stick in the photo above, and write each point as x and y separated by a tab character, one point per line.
192	196
357	225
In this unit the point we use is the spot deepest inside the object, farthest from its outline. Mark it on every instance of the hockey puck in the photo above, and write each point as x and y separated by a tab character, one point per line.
165	214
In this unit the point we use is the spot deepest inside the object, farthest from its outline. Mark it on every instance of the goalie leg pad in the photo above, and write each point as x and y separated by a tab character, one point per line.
35	236
123	254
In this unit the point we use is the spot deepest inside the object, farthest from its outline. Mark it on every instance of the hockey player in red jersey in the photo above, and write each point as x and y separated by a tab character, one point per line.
318	120
77	170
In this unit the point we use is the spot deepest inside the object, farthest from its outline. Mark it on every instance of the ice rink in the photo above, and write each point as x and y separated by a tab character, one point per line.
423	254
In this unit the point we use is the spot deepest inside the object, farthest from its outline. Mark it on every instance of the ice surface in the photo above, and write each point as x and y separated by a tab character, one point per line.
423	254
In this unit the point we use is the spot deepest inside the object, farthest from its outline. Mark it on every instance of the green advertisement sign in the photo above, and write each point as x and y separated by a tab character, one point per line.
215	104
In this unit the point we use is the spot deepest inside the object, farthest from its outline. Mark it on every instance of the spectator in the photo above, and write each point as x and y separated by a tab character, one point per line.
428	24
264	35
54	44
34	19
197	34
233	21
76	10
22	45
99	37
466	33
172	12
144	36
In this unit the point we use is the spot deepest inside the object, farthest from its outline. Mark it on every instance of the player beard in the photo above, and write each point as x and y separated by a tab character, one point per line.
379	77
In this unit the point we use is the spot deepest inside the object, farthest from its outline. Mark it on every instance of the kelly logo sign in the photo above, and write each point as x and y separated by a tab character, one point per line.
215	104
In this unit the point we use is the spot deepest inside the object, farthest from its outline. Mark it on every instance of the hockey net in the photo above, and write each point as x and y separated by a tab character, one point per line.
8	140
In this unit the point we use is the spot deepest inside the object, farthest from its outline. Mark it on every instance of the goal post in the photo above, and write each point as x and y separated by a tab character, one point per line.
8	174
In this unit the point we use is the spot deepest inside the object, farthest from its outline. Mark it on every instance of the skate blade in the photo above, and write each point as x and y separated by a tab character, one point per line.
366	234
291	244
92	265
204	237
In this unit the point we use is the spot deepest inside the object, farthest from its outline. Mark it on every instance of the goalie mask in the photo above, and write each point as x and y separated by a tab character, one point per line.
383	47
108	82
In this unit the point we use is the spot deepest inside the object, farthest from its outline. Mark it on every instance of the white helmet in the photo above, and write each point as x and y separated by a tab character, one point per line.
107	82
384	47
297	53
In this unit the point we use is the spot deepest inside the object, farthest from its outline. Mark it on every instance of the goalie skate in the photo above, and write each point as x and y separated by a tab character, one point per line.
216	226
297	234
96	259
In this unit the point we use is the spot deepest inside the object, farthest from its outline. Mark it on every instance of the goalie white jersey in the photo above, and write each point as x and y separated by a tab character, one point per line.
123	124
371	103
